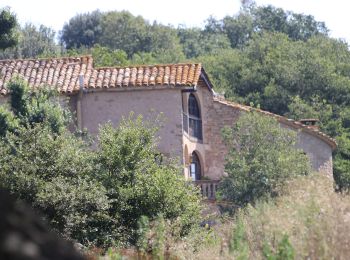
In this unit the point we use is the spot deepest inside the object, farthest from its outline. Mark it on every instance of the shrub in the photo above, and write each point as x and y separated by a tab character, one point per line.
137	183
53	174
262	156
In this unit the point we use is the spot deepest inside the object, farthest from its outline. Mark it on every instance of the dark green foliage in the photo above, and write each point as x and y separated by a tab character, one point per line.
37	107
122	31
8	24
8	122
196	42
261	158
82	30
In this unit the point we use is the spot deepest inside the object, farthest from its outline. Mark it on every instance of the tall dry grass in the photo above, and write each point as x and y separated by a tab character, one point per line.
309	221
314	217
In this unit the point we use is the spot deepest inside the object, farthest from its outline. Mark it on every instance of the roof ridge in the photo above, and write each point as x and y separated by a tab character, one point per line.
49	58
149	65
295	123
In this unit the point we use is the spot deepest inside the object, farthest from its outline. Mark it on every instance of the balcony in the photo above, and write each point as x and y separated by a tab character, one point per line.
208	188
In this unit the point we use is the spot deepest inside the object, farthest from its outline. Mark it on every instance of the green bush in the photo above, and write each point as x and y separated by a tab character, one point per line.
262	156
137	183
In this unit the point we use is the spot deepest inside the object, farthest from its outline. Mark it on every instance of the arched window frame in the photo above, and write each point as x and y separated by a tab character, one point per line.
193	120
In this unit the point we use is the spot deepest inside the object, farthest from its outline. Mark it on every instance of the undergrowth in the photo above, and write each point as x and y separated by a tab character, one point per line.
309	221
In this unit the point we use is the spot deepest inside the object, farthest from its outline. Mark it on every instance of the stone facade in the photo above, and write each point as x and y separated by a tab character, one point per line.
100	107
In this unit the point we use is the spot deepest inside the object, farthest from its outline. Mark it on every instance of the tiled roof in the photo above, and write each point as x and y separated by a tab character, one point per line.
63	74
287	121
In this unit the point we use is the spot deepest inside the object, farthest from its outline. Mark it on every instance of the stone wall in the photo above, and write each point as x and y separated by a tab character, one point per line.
319	152
102	106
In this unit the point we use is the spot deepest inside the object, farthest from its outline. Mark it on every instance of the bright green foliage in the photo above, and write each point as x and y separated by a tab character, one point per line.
261	158
52	172
8	24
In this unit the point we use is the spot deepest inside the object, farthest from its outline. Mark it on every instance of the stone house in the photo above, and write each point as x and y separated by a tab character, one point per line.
183	93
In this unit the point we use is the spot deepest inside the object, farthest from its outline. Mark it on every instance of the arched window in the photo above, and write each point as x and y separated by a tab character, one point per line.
194	118
195	167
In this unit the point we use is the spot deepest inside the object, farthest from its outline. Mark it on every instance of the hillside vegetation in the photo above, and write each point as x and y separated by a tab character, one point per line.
263	56
125	195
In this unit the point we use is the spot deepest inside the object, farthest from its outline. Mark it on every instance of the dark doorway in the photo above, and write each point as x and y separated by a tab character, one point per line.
195	167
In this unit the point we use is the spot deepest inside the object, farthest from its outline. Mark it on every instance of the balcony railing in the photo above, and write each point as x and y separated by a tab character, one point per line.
208	188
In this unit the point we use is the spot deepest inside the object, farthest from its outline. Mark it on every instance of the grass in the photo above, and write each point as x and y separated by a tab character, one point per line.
309	221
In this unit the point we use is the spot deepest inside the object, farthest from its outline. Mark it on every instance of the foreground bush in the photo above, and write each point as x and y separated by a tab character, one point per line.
140	182
95	197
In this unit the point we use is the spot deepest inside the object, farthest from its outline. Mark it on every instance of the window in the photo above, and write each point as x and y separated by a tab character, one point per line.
194	118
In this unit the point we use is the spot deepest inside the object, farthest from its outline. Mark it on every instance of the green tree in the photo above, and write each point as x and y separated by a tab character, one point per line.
33	42
196	42
261	158
8	26
239	29
122	30
82	30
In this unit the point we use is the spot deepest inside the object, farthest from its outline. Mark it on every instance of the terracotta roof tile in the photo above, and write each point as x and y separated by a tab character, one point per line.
63	74
133	76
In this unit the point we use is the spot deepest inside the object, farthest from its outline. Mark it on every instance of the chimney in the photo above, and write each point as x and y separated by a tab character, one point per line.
310	122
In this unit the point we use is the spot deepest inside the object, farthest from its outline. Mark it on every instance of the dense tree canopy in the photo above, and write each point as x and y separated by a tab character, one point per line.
8	24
